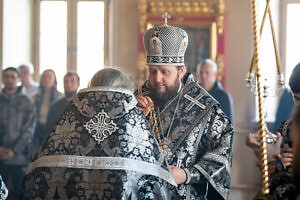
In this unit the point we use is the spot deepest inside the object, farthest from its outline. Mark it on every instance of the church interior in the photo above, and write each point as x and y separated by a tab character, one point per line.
87	35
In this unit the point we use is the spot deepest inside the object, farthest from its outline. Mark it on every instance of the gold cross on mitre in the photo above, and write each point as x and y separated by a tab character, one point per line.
166	16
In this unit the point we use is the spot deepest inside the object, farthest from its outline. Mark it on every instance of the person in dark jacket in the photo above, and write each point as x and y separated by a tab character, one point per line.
71	85
17	123
207	78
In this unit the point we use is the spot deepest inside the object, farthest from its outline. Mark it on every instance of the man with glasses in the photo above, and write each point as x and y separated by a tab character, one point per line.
16	130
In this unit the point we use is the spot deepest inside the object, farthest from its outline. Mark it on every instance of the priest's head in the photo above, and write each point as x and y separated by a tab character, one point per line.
111	77
294	83
165	47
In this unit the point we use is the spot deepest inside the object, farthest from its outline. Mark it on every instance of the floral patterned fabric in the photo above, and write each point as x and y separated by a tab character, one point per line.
100	130
196	135
3	190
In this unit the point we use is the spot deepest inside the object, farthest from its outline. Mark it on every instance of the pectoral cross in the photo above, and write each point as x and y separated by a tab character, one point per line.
194	101
166	16
180	157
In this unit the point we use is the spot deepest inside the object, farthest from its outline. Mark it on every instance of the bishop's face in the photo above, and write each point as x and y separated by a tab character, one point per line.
165	81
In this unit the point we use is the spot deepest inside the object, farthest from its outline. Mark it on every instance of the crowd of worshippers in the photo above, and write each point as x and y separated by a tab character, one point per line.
168	139
27	113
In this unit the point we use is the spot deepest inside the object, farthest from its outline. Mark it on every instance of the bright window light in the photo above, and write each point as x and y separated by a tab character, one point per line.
292	38
53	38
90	39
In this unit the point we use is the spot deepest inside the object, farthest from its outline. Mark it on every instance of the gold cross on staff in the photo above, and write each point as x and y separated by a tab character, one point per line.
166	16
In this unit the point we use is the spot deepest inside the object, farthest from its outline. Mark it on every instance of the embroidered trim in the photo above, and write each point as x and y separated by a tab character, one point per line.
165	60
131	104
101	126
108	89
222	192
111	163
188	176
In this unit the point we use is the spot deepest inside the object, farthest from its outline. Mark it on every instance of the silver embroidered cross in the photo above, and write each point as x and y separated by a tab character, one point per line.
101	126
194	101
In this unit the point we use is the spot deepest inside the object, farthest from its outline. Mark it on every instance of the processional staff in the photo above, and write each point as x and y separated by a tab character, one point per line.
254	81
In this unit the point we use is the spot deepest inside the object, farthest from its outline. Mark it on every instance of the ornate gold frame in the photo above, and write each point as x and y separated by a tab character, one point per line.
180	10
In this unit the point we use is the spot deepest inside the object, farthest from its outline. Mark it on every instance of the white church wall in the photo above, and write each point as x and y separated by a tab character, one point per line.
244	175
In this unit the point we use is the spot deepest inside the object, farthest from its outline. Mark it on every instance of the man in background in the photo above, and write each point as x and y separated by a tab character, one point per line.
30	87
71	85
16	131
207	78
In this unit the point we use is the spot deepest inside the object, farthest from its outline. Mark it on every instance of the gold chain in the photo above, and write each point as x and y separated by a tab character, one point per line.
154	124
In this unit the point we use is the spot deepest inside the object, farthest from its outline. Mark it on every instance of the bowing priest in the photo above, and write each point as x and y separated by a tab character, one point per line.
101	148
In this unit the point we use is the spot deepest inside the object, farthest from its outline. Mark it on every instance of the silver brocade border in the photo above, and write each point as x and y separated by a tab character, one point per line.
131	104
112	163
107	89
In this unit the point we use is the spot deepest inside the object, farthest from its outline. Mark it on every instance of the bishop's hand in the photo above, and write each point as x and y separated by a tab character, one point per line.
145	103
179	174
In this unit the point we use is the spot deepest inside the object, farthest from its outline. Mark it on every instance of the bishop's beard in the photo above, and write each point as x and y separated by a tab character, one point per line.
161	99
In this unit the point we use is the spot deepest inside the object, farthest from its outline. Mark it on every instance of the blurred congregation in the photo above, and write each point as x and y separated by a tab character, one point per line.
28	112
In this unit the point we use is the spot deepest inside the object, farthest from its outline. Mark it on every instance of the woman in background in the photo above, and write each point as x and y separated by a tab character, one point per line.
47	94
